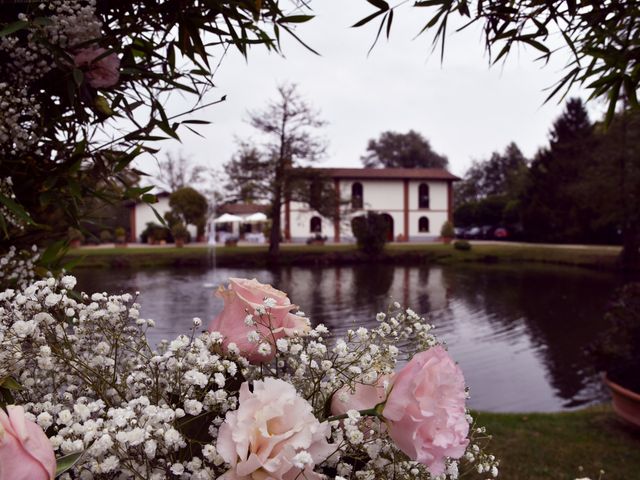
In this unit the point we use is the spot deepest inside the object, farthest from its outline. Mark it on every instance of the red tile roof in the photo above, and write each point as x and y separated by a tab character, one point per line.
242	208
386	173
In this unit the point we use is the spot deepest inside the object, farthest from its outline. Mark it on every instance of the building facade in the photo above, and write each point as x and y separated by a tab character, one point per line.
415	201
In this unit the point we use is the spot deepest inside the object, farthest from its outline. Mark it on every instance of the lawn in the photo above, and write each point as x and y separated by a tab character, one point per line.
602	258
555	446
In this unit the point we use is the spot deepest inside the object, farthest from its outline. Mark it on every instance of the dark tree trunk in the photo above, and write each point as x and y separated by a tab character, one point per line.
276	207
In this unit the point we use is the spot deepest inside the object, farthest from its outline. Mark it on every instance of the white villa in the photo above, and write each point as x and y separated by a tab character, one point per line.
416	202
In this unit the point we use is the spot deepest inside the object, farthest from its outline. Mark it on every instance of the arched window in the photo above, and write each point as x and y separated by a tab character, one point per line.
315	225
423	225
423	196
356	195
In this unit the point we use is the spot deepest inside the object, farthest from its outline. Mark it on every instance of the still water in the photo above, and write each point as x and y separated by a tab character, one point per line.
518	334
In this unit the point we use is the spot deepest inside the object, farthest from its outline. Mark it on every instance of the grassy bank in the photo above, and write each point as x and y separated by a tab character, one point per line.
554	446
601	258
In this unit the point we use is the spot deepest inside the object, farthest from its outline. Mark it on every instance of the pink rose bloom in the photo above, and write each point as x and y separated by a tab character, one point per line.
425	410
102	73
273	424
242	298
25	451
364	397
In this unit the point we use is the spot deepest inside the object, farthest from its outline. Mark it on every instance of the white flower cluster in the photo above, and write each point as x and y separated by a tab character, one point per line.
18	113
94	384
26	59
17	268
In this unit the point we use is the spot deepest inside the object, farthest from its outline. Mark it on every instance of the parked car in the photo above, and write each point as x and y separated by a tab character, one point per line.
473	233
501	233
459	232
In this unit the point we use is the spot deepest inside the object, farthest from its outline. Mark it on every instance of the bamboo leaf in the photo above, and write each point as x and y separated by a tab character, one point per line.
13	27
66	463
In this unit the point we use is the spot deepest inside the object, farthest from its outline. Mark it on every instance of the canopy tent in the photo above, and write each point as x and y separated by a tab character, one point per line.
256	218
228	218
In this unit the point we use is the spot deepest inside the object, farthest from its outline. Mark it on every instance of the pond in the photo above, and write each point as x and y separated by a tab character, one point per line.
518	333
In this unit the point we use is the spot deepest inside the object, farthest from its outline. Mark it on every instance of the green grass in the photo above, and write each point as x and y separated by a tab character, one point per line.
554	446
602	258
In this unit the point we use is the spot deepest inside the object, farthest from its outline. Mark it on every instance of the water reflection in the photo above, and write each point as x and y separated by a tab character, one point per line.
518	334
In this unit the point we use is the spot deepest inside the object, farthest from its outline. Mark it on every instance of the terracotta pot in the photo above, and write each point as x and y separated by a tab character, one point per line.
179	242
625	402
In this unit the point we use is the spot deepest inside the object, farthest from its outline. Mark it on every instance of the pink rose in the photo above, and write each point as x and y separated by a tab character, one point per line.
102	73
242	298
425	410
272	425
25	451
363	397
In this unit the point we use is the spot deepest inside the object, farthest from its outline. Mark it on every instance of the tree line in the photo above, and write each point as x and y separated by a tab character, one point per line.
580	188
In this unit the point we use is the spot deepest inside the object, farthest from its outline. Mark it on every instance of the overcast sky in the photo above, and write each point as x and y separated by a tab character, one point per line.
463	107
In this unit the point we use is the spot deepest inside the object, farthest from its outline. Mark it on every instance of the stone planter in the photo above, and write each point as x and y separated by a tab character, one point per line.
626	403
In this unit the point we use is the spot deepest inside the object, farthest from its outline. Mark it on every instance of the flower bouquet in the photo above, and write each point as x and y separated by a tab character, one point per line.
261	395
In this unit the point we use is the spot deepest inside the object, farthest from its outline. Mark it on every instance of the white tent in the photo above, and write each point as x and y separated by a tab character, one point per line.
256	218
228	218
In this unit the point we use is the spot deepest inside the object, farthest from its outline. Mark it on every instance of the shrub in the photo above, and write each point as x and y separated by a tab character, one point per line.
180	232
462	245
106	236
154	233
370	232
121	234
447	230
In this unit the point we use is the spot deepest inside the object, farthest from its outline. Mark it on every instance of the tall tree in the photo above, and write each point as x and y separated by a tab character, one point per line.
289	128
610	187
490	191
404	150
247	175
553	211
501	174
178	171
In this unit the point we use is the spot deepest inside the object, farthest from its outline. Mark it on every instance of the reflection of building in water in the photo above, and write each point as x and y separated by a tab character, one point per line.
347	296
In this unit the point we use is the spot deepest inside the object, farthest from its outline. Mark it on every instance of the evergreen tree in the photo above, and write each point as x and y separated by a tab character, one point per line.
402	150
552	210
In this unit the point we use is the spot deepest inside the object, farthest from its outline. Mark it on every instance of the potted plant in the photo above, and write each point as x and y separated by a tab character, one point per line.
180	234
447	232
106	236
75	237
121	236
617	353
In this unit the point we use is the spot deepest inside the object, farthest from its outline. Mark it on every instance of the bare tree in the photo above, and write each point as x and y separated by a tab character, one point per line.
175	172
289	128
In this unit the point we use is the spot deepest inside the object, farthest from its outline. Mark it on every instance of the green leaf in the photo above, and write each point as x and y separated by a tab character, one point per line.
66	463
16	209
367	19
149	198
53	253
295	19
381	4
78	76
10	383
13	27
613	100
70	265
102	106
